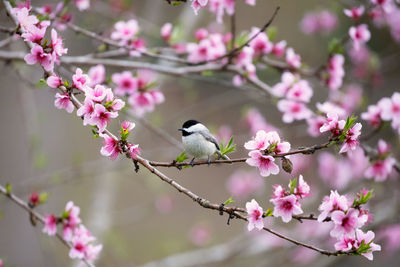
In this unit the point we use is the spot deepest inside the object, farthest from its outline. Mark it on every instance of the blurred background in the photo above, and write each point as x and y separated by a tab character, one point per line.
142	221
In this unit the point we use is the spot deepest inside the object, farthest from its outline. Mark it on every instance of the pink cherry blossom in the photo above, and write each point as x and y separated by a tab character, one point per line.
264	163
200	234
386	5
128	126
80	79
96	75
255	213
79	247
260	44
293	110
302	189
314	124
259	142
322	22
332	203
373	115
329	107
113	103
62	102
134	151
360	35
293	59
351	142
125	31
166	31
274	140
242	184
380	169
110	147
300	91
50	224
345	243
25	20
390	234
335	72
92	252
101	117
141	103
278	192
220	7
391	107
288	79
97	94
355	12
367	238
197	4
346	223
285	207
54	81
72	221
37	55
334	171
332	124
251	2
279	48
36	33
201	34
257	122
57	44
82	4
245	57
87	111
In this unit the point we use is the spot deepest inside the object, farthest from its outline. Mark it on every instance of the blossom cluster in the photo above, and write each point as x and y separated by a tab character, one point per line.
219	7
44	52
382	165
321	22
387	109
137	90
74	232
348	217
335	72
262	147
286	202
125	33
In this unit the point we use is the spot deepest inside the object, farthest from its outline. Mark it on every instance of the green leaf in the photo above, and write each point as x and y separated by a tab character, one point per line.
229	201
207	73
94	132
150	85
272	32
181	158
364	247
268	213
293	185
66	83
335	47
176	3
177	34
43	197
229	148
350	122
8	189
41	83
65	214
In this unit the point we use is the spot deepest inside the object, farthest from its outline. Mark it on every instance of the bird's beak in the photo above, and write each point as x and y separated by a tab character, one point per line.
180	129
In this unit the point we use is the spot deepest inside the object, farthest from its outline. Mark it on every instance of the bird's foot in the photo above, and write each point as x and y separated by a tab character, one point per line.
208	161
192	162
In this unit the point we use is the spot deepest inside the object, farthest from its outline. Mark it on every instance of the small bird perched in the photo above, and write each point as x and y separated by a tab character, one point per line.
199	142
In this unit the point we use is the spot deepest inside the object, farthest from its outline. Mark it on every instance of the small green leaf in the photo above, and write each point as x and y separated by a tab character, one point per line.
268	213
181	158
66	83
177	3
8	189
229	201
272	32
207	73
65	214
43	197
293	185
41	83
335	47
102	48
150	85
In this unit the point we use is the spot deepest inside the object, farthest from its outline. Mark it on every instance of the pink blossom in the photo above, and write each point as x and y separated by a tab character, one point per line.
134	151
97	94
293	59
57	44
87	111
300	91
34	199
54	81
50	224
37	55
391	235
279	192
201	34
322	22
128	126
335	172
80	80
288	79
355	12
346	223
351	142
220	7
245	57
1	263
101	117
110	147
259	142
251	2
141	103
360	35
373	116
387	5
82	4
200	235
92	252
62	102
314	124
278	147
79	247
390	107
25	20
348	99
241	184
166	31
71	222
257	122
367	238
345	243
96	75
293	110
333	124
113	103
332	203
264	163
255	213
279	48
380	169
302	189
125	31
35	34
261	43
197	4
335	72
329	107
285	207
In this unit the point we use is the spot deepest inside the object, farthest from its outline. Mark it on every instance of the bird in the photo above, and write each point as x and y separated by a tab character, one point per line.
199	142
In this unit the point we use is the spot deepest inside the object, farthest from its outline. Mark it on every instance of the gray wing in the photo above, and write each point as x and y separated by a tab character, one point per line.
209	137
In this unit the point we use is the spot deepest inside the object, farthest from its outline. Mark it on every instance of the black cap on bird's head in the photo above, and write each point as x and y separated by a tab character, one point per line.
186	126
